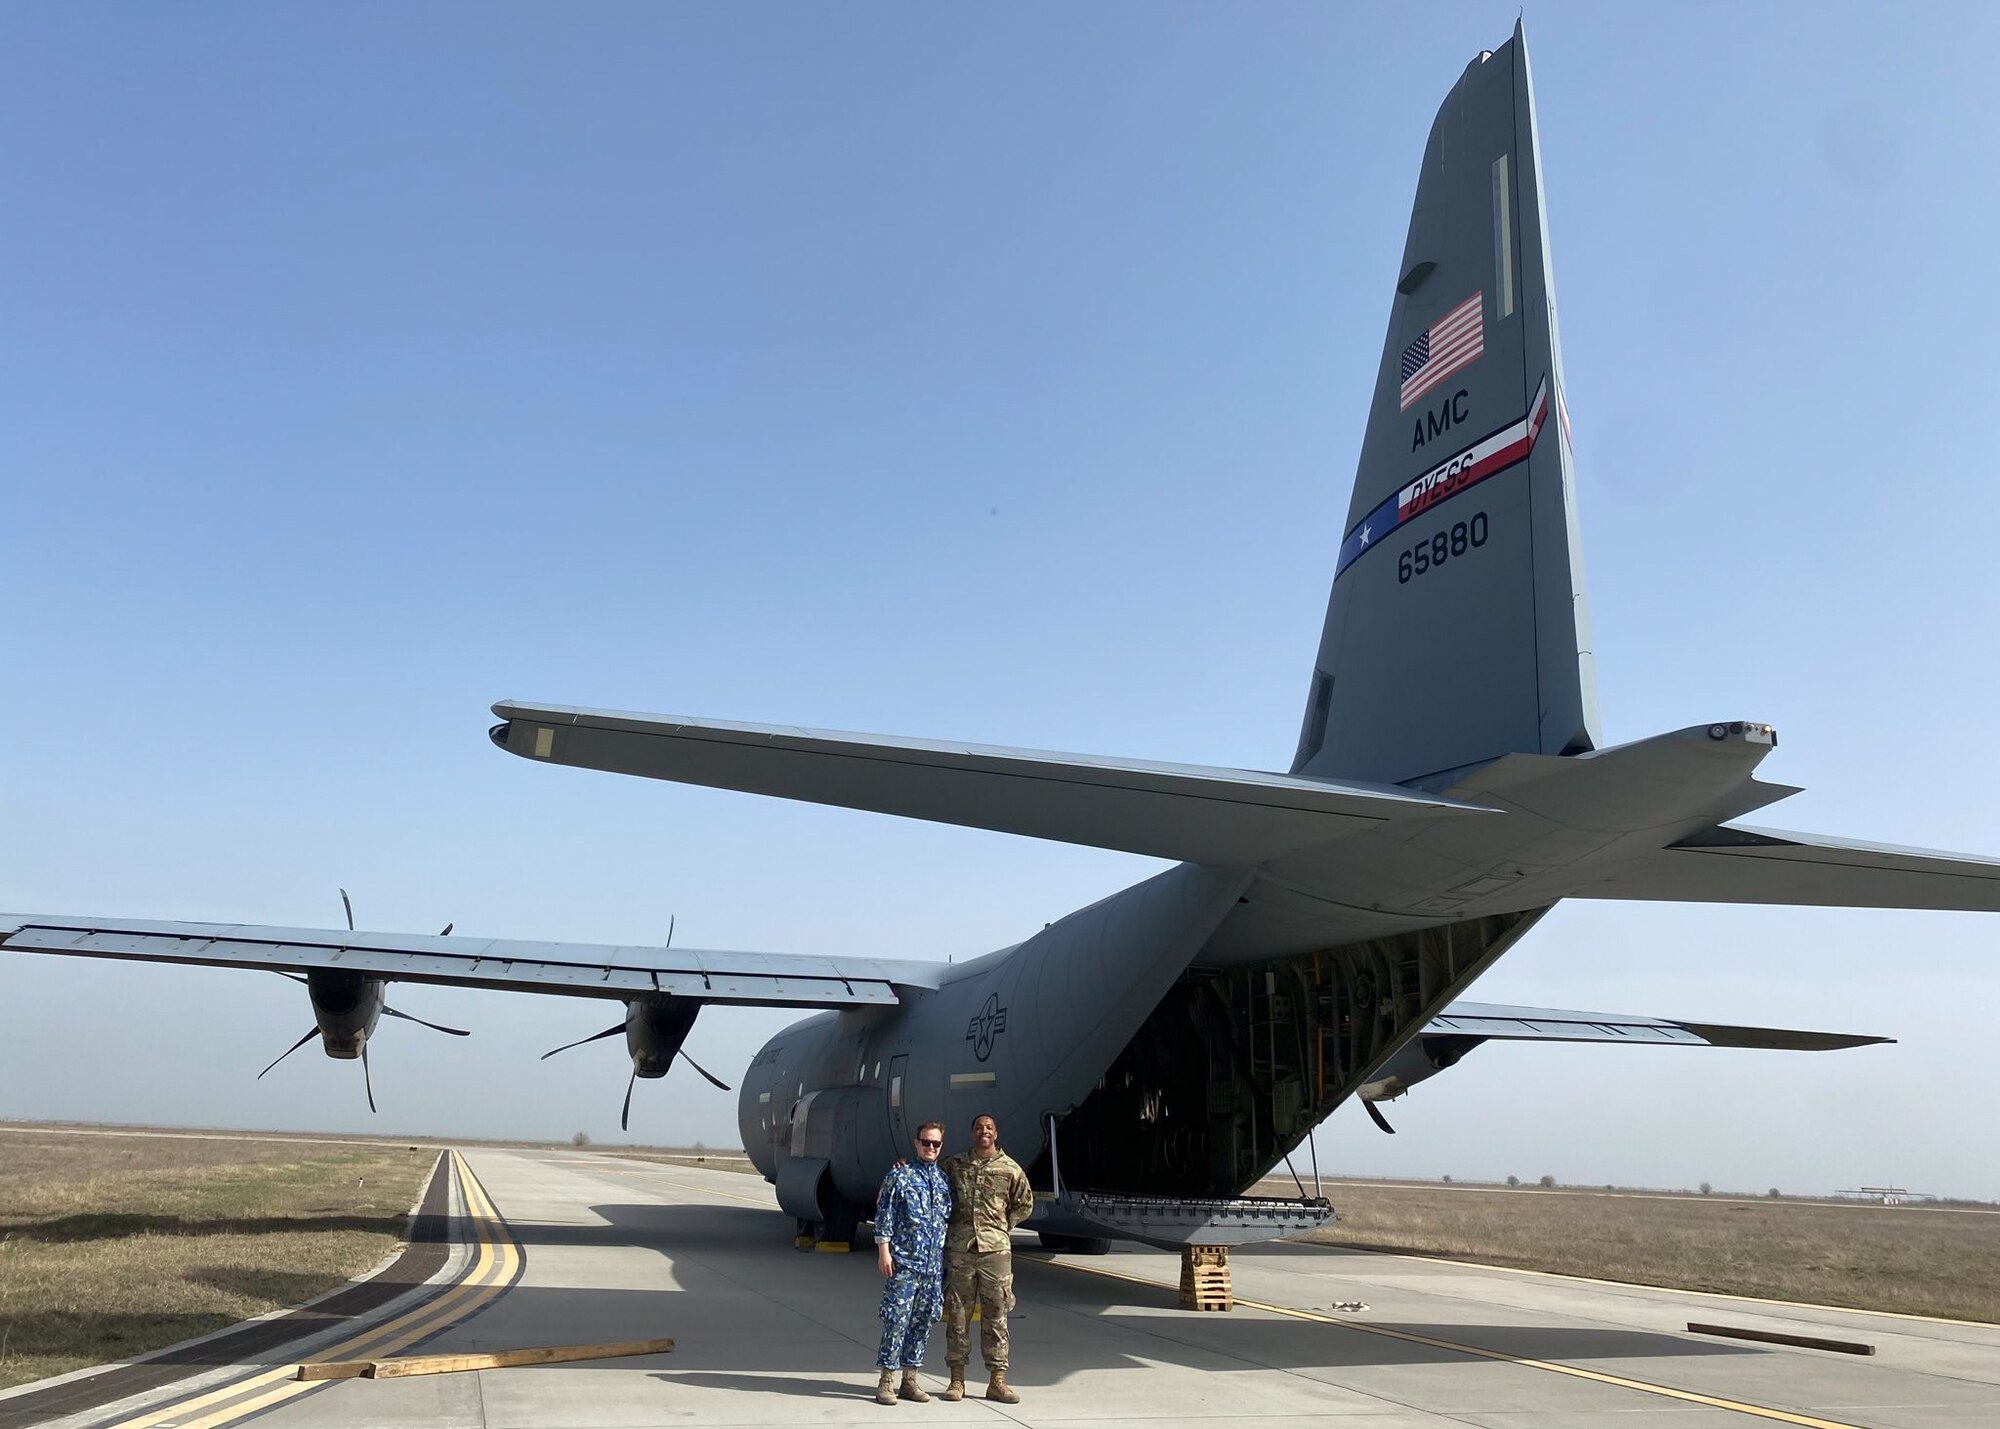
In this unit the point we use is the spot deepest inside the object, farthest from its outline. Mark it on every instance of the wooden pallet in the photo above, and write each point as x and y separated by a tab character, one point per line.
1205	1278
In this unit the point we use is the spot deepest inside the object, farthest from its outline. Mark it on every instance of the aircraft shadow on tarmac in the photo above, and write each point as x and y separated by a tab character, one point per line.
1066	1321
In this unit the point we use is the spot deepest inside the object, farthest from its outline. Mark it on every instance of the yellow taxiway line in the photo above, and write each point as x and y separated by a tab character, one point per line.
1686	1396
495	1265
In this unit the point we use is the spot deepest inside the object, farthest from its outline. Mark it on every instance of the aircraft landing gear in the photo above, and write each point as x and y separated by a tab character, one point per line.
839	1232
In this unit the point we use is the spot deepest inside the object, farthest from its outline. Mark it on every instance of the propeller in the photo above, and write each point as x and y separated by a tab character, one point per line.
434	1026
311	1032
625	1111
367	1080
1380	1120
348	905
611	1031
713	1080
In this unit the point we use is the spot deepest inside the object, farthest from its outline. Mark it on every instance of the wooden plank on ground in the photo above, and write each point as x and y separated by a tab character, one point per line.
335	1369
1772	1337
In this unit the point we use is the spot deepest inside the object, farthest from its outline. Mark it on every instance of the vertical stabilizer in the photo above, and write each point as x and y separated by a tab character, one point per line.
1457	631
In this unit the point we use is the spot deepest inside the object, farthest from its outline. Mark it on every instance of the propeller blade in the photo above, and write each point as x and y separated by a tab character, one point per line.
1380	1120
350	909
447	930
434	1026
714	1080
670	930
625	1112
311	1032
593	1037
366	1080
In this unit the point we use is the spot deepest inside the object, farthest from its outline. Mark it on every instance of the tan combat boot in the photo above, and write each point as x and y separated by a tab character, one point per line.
996	1388
885	1390
955	1391
911	1390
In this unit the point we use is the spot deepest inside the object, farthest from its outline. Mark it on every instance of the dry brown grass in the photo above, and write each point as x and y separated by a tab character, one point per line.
1912	1259
114	1245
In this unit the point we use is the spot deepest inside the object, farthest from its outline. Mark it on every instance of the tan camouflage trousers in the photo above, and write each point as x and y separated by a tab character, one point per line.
985	1278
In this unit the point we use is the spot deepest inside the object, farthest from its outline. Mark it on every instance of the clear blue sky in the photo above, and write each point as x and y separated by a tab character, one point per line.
990	374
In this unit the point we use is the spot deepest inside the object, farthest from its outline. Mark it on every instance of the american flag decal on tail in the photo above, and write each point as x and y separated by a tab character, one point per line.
1444	347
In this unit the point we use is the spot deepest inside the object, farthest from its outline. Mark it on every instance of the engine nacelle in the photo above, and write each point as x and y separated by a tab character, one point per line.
1419	1058
655	1028
346	1005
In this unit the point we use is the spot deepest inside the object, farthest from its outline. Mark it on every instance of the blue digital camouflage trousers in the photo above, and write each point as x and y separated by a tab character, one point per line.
911	1302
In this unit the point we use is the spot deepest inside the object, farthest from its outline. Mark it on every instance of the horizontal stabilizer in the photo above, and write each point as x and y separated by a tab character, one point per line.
1734	864
1179	811
1489	1021
572	969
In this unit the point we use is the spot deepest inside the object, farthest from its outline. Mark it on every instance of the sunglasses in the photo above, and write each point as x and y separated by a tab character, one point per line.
922	1142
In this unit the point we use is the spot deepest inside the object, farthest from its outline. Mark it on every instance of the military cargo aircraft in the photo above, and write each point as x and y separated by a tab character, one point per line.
1154	1055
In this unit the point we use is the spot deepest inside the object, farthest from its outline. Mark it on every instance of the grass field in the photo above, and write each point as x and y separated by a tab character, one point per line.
113	1245
1913	1259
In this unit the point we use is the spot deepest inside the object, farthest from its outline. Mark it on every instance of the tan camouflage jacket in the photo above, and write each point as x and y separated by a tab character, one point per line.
989	1197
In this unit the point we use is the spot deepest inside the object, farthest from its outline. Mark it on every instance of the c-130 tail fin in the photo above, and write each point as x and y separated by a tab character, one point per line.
1457	630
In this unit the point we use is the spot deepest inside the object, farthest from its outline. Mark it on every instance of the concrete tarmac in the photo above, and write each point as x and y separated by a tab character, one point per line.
768	1335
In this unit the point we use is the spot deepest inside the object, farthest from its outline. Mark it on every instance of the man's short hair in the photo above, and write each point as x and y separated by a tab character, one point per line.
936	1126
983	1116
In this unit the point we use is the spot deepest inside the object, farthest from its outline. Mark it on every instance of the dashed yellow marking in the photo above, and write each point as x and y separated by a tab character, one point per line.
494	1266
1686	1396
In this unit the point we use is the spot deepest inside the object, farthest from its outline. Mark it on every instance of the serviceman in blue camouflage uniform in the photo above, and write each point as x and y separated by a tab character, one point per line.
911	1213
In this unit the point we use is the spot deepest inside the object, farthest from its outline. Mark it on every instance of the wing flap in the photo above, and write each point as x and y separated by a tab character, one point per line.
1180	811
1495	1022
1736	864
571	969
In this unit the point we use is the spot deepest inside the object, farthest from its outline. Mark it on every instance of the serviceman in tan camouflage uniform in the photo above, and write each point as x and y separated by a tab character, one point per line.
990	1195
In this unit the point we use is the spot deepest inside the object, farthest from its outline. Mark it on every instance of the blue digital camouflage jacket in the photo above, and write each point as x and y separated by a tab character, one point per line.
911	1213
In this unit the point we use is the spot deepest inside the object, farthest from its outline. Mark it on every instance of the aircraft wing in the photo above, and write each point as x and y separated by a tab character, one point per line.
1734	864
570	969
1490	1021
1186	812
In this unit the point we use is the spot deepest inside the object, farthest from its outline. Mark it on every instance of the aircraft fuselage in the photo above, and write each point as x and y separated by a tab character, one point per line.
1186	1033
